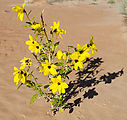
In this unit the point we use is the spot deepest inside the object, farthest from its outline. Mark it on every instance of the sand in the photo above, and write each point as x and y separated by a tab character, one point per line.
101	97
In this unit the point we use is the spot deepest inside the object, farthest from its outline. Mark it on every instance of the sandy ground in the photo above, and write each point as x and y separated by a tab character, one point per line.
102	97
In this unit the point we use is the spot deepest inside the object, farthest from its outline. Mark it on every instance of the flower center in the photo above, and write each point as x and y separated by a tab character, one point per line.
25	74
37	47
88	45
81	51
27	61
21	72
76	61
49	66
58	83
55	30
33	42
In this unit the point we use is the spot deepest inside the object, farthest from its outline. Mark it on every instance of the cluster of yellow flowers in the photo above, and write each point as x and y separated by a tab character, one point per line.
21	74
44	53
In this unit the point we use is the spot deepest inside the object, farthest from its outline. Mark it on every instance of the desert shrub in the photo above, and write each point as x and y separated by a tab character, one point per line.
53	63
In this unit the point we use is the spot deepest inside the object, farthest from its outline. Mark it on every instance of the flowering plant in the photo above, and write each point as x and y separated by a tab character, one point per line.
53	63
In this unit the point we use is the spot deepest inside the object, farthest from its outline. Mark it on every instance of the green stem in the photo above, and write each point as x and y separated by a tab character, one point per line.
34	78
36	59
30	74
49	57
27	16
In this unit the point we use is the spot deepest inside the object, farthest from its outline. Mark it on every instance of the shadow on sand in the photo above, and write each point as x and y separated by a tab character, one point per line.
87	78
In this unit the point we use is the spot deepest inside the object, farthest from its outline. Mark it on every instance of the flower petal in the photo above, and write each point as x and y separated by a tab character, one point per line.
52	71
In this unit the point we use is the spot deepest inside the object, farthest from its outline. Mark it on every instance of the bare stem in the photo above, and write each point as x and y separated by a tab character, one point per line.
43	24
36	59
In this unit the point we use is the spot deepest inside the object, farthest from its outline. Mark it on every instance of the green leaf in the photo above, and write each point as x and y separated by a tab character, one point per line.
46	86
53	102
56	44
32	72
41	93
19	86
41	55
71	46
39	84
69	71
40	40
36	78
35	88
68	53
28	86
60	71
33	17
30	83
35	31
63	75
50	41
29	23
56	105
33	98
59	64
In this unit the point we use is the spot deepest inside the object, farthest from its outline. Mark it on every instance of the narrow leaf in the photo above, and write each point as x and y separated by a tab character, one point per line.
39	84
41	41
59	64
71	46
46	86
41	93
29	23
19	86
68	53
31	72
33	98
33	18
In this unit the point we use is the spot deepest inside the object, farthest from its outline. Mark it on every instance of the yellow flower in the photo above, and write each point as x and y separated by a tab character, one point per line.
64	56
25	62
83	51
77	60
19	75
60	54
20	11
92	45
57	30
47	67
34	46
57	84
36	26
